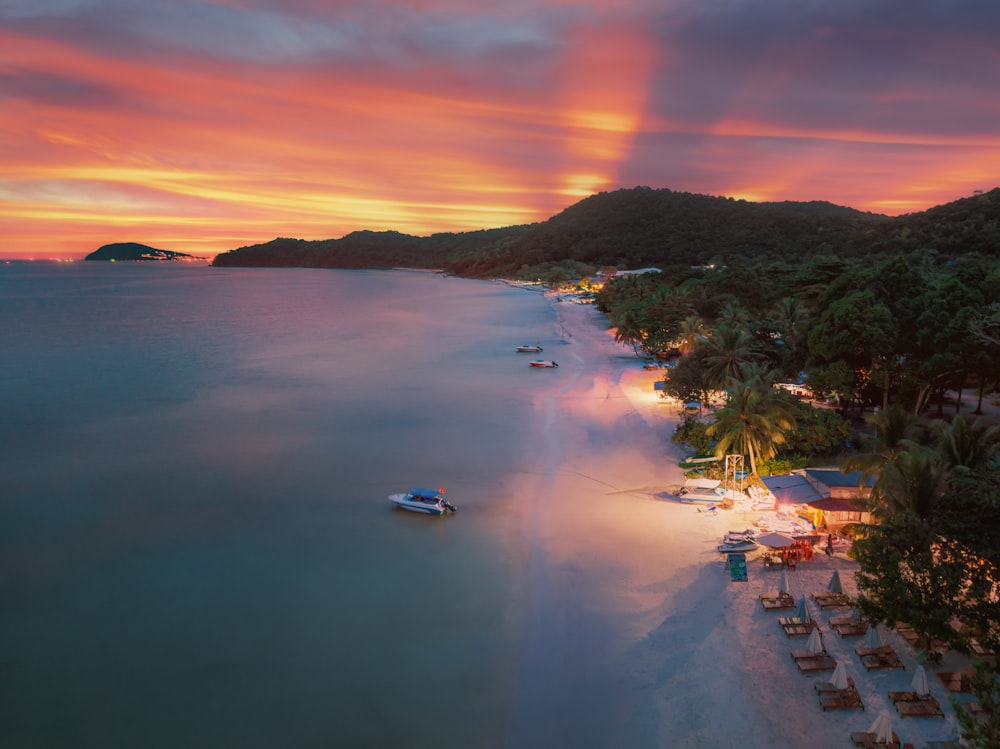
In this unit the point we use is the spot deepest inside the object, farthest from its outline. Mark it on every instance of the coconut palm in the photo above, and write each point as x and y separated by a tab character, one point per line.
967	443
730	348
692	329
895	431
754	420
628	330
913	481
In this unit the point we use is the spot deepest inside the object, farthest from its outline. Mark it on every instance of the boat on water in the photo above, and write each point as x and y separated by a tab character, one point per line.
420	499
543	363
529	349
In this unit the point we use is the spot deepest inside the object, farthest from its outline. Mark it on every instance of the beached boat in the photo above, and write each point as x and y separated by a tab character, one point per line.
543	363
428	501
707	490
529	349
738	541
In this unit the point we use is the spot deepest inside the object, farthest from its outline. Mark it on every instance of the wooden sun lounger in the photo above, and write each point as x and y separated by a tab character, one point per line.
864	650
780	601
825	687
881	660
920	709
955	681
849	699
867	741
797	628
804	655
851	629
816	663
831	600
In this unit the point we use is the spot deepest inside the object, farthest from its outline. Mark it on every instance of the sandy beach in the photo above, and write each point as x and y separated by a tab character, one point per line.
637	637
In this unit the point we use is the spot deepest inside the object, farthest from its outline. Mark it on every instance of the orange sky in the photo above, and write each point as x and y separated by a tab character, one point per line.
203	126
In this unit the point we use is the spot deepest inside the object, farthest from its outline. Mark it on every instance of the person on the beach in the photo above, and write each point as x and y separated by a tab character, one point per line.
829	544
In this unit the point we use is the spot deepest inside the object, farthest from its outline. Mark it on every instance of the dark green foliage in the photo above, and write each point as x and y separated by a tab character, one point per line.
645	227
692	432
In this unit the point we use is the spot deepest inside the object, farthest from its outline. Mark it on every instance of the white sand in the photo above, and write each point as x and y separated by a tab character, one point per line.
637	637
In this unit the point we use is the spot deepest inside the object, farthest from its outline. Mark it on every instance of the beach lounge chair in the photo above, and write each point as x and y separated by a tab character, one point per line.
831	600
825	687
850	628
816	663
881	660
927	708
863	650
866	740
955	681
848	699
770	602
796	627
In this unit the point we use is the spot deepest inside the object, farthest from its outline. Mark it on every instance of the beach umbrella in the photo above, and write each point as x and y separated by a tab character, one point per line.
834	586
839	678
815	642
783	582
775	540
882	728
873	637
919	683
800	612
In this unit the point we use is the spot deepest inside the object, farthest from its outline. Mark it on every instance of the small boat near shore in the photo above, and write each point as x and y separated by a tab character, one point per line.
738	541
707	490
420	499
536	349
543	363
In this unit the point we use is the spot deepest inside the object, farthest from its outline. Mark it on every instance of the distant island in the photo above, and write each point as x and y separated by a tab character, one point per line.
120	251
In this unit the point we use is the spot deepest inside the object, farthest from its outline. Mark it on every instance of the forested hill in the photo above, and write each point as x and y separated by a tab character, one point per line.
641	227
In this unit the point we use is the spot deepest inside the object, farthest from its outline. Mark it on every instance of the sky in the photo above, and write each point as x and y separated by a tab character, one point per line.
199	126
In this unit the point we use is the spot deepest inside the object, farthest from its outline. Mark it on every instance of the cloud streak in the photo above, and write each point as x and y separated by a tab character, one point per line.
201	126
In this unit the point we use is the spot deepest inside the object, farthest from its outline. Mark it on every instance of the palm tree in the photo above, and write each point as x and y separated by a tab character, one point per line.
753	422
730	349
629	332
895	431
967	443
692	329
913	481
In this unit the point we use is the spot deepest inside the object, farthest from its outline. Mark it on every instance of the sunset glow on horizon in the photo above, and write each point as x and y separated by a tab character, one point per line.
203	126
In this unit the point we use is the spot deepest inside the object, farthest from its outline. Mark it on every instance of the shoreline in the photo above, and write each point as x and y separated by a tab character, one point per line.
633	633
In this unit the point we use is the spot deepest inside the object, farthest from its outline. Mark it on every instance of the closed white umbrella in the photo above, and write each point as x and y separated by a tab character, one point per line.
873	637
839	678
919	683
882	728
783	582
835	586
801	612
815	642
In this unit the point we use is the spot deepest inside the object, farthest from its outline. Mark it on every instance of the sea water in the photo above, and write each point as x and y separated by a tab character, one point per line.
196	549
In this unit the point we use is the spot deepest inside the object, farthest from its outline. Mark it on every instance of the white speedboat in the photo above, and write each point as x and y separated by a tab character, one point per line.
738	541
529	349
428	501
543	363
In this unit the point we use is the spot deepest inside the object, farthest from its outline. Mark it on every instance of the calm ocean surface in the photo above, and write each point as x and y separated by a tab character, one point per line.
195	545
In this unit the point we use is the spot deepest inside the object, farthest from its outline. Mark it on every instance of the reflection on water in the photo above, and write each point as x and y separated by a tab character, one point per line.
195	546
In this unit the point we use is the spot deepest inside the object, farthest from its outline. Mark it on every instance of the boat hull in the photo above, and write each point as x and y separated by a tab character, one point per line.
424	506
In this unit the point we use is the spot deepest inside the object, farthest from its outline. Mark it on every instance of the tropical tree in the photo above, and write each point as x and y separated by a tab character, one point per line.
729	349
628	331
754	420
967	443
